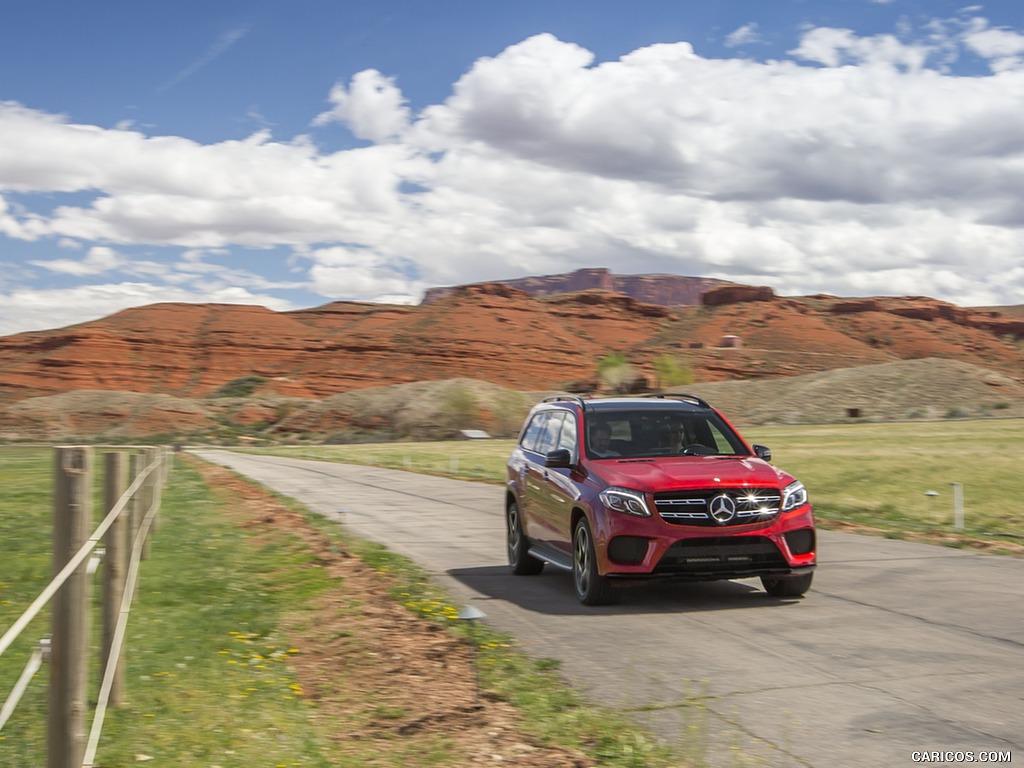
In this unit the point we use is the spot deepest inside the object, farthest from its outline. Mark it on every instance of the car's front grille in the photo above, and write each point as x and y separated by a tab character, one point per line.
742	505
728	556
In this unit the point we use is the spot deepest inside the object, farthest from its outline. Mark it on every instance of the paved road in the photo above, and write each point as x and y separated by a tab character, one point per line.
899	647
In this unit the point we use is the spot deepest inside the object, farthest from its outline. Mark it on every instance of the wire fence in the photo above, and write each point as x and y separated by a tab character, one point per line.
132	514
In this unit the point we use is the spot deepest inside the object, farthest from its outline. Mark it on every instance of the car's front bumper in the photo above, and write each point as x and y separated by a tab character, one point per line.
646	547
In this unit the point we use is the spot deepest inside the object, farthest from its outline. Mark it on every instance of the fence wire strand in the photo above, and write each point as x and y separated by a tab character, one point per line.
119	632
58	581
36	659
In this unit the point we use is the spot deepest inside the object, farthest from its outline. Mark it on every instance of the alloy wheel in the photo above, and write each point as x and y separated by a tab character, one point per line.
513	535
581	560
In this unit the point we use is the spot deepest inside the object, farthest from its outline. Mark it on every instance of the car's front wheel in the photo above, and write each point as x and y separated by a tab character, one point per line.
787	586
591	587
520	560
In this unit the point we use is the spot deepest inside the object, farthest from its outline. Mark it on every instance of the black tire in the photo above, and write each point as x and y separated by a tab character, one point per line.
787	586
520	561
591	587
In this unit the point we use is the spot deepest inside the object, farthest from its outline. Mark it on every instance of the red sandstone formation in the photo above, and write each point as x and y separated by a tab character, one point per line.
493	332
736	294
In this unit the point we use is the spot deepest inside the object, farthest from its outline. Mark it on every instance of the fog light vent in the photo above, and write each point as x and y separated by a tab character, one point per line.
800	542
627	550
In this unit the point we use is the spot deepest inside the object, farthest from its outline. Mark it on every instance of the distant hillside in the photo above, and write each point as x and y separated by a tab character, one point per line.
666	290
913	389
909	389
1014	311
497	334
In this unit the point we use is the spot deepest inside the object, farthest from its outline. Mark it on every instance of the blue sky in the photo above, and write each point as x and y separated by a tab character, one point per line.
294	153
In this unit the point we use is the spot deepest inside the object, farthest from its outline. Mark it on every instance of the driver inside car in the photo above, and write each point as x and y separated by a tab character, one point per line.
677	440
600	438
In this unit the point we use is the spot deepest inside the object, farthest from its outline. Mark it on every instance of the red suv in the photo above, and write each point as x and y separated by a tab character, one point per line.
620	489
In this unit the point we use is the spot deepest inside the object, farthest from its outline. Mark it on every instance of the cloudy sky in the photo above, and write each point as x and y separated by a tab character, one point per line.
294	152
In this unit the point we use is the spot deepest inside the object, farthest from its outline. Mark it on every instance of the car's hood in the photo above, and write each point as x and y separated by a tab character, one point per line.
686	472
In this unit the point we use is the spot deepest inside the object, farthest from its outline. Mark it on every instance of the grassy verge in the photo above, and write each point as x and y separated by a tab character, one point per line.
869	474
552	712
210	667
207	676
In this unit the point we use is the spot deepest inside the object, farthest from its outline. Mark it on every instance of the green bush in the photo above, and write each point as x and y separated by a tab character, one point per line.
672	372
507	413
240	387
459	408
615	372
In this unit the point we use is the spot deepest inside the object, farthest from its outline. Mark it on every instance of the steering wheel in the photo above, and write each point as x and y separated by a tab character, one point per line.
696	449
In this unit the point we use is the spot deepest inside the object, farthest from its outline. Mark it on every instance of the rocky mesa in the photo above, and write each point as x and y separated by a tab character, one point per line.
491	332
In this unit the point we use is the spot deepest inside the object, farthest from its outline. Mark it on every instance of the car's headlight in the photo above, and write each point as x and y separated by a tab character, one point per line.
625	500
793	496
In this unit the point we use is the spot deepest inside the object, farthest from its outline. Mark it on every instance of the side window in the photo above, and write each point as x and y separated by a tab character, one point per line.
723	442
714	435
567	439
534	431
549	437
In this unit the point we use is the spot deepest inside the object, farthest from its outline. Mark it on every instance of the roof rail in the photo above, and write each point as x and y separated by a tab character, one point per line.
680	396
566	398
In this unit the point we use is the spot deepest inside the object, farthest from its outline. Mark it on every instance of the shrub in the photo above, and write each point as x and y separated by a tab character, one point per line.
672	372
240	387
615	372
508	411
459	409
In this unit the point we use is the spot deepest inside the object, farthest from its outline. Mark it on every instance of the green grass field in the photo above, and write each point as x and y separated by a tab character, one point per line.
207	608
878	474
872	474
208	680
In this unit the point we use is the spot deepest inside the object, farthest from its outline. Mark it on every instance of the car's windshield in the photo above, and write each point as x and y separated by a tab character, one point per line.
648	433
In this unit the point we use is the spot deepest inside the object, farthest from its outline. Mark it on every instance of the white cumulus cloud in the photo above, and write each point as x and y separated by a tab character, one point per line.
372	107
857	165
743	36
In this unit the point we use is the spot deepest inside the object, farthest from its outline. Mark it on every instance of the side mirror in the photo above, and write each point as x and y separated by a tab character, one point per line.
561	457
762	452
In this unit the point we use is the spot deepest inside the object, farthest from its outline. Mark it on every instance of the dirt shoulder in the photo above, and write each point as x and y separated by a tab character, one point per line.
385	681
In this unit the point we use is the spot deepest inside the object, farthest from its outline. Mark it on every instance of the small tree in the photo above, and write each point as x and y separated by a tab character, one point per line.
240	387
615	372
508	411
672	372
459	408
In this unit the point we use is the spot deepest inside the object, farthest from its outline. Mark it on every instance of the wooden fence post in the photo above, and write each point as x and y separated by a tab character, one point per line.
157	484
135	466
115	569
148	495
68	655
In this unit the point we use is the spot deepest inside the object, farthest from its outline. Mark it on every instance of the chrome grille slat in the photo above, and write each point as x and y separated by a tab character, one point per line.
690	507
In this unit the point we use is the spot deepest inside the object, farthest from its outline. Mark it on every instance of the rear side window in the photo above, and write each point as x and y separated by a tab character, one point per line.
531	437
545	432
549	436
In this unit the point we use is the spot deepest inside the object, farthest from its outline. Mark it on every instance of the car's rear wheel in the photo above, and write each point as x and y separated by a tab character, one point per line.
591	587
520	560
787	586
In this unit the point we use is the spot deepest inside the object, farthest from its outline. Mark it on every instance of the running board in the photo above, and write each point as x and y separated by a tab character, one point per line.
550	555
